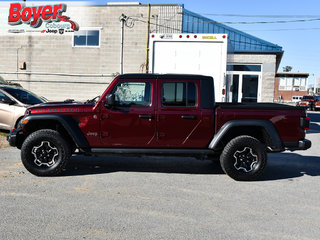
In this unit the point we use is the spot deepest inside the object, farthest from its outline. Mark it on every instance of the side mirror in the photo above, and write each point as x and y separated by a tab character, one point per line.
110	101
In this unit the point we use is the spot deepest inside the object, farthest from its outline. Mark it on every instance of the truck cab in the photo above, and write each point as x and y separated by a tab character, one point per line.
157	113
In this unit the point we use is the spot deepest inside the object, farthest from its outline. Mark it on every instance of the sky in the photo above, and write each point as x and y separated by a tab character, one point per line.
299	36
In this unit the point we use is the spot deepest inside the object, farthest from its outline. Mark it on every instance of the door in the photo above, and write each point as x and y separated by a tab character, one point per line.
249	88
6	112
235	88
179	116
244	88
131	121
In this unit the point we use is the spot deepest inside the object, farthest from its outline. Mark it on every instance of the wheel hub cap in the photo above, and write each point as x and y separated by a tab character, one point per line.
245	159
44	154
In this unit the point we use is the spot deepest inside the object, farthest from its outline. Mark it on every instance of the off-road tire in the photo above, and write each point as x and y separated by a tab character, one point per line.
48	145
244	158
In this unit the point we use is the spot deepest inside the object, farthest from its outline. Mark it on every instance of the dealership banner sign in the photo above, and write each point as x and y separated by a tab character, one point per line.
34	16
23	17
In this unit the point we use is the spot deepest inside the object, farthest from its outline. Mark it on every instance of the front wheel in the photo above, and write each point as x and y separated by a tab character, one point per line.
45	153
244	158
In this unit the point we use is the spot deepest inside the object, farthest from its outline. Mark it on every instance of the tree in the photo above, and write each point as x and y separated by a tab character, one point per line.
287	69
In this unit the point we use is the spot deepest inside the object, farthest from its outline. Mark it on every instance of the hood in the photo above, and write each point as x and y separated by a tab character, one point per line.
60	107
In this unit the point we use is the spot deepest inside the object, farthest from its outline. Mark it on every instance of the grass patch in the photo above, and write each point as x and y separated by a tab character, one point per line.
3	134
3	139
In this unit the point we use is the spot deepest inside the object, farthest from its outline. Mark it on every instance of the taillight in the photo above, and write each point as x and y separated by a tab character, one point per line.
305	123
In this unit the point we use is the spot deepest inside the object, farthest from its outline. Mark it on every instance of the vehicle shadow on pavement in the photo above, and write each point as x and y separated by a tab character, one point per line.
280	166
290	165
87	165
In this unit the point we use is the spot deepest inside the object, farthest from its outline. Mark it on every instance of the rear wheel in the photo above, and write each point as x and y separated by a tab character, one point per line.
244	158
45	153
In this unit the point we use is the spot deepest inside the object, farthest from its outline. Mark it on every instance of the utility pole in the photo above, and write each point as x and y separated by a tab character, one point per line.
148	33
123	19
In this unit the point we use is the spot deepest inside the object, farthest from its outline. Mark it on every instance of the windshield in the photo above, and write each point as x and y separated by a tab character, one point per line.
24	96
307	98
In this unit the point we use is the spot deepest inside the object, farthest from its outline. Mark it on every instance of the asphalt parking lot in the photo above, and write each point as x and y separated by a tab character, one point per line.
162	198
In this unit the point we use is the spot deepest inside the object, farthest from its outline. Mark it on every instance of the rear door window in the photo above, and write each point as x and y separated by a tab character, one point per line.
179	94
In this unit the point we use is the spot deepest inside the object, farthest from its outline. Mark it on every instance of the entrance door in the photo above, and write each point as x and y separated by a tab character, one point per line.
235	88
244	88
249	88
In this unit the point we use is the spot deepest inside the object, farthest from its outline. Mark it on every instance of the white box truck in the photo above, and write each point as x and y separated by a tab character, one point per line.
204	54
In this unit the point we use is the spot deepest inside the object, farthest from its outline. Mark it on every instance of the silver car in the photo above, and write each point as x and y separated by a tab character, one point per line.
13	104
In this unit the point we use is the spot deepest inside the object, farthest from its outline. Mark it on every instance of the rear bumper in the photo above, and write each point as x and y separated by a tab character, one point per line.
301	145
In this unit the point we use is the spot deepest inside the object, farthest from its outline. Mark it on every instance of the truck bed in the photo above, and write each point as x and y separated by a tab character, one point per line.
285	118
273	106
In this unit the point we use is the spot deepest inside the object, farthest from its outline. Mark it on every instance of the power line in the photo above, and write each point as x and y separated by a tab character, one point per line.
249	30
260	16
156	24
283	29
244	30
243	22
271	22
258	22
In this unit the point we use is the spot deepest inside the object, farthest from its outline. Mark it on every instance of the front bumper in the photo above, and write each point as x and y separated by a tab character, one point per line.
301	145
15	138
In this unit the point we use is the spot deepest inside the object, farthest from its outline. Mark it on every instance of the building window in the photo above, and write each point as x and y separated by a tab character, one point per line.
179	94
86	38
285	83
244	68
301	83
296	83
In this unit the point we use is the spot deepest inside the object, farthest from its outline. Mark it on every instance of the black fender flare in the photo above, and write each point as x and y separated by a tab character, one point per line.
70	125
275	141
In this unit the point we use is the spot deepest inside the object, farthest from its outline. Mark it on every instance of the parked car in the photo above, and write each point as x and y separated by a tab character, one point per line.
308	102
317	103
4	82
13	104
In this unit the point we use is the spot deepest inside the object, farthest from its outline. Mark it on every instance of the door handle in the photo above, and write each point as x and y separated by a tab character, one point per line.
146	116
188	117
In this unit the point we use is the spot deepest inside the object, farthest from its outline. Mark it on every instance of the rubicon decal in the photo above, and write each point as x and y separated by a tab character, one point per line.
35	15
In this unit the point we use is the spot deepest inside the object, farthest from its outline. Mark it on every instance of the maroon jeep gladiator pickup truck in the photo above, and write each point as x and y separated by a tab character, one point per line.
169	114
